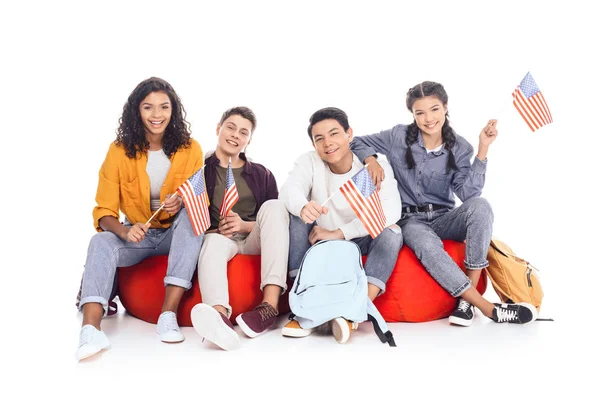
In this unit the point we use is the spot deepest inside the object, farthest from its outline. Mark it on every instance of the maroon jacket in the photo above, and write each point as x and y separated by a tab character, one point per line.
259	179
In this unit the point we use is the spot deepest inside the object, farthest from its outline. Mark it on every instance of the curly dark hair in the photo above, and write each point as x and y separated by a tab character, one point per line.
131	133
434	89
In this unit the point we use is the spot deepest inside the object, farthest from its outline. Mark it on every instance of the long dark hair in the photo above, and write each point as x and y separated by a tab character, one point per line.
131	133
425	89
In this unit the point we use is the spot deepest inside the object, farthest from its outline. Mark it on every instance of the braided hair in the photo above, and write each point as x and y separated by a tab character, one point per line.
131	133
425	89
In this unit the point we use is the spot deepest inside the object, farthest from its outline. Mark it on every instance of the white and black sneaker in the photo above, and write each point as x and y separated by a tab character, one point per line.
463	314
520	313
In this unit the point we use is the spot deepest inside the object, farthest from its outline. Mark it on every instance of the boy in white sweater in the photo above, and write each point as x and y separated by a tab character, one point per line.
315	177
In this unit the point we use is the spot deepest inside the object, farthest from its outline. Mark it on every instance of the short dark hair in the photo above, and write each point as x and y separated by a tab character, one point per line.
328	113
243	112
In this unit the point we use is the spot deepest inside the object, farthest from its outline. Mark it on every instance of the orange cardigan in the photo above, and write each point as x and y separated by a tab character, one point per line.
124	185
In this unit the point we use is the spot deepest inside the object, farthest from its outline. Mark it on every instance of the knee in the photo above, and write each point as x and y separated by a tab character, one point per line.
480	208
391	237
104	240
273	209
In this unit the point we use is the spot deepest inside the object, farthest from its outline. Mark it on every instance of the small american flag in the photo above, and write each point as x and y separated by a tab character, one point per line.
231	194
530	103
193	192
364	199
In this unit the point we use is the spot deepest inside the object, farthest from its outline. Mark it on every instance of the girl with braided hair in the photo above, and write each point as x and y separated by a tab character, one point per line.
432	164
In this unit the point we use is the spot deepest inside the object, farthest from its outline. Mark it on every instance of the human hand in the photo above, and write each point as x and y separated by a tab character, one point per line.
232	224
318	233
173	204
487	136
311	211
375	171
137	232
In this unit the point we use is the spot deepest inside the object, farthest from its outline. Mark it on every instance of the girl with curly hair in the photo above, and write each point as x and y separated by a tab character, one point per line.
432	164
152	156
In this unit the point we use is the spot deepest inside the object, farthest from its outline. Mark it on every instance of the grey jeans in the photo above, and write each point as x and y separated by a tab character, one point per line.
382	251
424	231
107	252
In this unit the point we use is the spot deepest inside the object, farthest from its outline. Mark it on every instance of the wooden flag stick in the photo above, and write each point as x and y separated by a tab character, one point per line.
334	193
161	207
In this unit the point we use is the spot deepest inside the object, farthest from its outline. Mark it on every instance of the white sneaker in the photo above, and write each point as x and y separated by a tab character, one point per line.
91	341
214	327
341	329
168	329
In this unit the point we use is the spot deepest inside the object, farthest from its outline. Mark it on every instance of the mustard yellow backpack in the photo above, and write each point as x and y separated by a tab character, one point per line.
513	278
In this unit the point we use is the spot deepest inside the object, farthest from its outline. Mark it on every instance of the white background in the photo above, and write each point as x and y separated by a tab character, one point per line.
68	67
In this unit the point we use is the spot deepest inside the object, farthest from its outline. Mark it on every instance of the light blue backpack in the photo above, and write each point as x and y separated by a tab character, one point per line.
331	283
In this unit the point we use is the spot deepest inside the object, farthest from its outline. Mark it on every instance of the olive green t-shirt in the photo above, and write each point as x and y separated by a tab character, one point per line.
245	206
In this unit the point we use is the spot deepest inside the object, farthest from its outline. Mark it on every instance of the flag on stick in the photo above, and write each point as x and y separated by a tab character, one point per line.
530	103
361	194
231	194
193	192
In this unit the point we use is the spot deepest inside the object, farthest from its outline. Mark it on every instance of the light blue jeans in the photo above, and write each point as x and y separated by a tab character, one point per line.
423	233
107	252
382	251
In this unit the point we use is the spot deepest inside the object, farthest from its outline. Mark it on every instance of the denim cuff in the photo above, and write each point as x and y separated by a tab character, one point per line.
292	273
462	289
171	280
482	265
377	282
94	299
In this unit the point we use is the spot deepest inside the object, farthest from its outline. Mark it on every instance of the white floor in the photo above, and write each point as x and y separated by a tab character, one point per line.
434	359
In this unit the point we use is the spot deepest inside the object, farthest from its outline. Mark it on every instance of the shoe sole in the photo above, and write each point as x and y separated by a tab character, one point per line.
341	330
245	328
534	313
208	323
91	351
167	339
460	321
295	332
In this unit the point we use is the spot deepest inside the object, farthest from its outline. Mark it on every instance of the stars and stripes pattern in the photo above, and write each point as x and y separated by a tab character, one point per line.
193	193
231	194
530	103
363	197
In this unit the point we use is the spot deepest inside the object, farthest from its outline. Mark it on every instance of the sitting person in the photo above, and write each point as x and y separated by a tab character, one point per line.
152	156
257	224
432	164
314	178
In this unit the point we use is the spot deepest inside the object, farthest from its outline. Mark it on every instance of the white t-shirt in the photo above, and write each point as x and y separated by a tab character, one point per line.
311	179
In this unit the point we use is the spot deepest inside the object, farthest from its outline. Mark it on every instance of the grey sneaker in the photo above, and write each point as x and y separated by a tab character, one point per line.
463	314
168	329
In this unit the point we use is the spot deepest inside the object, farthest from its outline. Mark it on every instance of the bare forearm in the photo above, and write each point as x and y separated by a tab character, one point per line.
111	224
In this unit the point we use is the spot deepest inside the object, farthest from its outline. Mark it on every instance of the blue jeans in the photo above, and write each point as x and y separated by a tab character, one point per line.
382	251
424	231
107	252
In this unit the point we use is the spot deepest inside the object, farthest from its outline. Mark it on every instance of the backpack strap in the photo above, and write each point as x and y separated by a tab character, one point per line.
379	325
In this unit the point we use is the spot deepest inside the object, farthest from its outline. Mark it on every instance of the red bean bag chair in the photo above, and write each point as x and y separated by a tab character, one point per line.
412	295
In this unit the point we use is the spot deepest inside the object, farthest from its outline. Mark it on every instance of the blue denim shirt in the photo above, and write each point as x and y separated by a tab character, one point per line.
428	182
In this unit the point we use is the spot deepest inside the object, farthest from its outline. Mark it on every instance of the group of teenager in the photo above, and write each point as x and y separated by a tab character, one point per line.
427	165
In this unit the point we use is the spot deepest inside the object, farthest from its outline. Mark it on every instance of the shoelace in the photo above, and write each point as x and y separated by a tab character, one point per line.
463	305
86	335
168	322
505	314
266	311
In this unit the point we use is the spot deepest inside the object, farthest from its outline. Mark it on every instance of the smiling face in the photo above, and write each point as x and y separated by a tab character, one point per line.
155	111
333	144
234	134
430	114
